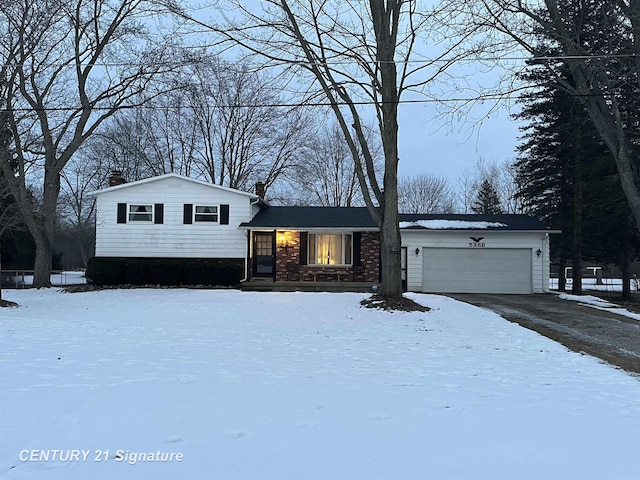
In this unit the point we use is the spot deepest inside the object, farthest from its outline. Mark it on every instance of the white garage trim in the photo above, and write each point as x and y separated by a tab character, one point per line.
477	270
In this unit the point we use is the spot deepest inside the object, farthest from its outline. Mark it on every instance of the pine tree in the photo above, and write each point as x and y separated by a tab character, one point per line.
487	200
566	175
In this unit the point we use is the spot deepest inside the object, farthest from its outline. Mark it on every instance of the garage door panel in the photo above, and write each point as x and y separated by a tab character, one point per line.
477	270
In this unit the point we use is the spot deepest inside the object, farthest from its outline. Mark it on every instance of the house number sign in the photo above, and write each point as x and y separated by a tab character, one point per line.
476	242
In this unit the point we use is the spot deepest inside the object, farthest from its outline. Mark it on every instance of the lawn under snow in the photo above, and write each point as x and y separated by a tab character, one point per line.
299	386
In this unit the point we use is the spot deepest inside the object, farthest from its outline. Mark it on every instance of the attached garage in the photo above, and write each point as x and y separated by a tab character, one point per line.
477	270
475	253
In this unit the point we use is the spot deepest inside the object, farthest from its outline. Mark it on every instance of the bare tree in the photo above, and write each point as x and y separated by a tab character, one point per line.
157	139
327	176
246	132
501	176
69	67
603	73
220	121
355	54
81	176
425	194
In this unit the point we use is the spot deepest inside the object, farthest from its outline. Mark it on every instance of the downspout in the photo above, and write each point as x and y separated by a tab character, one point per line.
248	234
246	257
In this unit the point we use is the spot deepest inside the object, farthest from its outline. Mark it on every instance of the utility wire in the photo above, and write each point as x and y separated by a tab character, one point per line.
483	98
534	59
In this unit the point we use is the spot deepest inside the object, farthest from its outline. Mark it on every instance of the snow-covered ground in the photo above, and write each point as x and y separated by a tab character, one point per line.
298	386
599	303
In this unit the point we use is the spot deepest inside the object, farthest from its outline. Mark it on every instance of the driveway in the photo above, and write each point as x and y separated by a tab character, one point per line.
613	338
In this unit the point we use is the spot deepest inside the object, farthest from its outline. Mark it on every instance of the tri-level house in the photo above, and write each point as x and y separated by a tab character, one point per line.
236	238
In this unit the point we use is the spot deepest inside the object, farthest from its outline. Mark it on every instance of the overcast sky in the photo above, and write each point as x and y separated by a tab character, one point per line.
440	146
429	145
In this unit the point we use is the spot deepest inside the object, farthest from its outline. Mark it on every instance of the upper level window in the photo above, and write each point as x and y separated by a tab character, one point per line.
330	249
205	213
141	213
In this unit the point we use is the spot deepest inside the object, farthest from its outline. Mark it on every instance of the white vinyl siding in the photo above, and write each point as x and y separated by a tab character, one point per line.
172	238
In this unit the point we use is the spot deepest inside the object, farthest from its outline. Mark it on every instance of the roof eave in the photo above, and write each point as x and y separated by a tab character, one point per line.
170	175
306	229
520	230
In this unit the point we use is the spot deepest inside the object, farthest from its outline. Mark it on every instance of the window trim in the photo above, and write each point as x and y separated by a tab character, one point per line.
131	219
313	249
206	222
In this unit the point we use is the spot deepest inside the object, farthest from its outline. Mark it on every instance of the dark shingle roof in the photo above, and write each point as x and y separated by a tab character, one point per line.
313	217
301	218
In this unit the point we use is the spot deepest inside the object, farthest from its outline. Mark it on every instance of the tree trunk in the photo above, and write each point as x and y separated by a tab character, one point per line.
625	266
576	267
46	232
43	261
576	230
626	282
562	280
385	24
390	246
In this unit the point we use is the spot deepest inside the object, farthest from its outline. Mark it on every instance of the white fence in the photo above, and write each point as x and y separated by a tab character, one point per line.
607	285
24	278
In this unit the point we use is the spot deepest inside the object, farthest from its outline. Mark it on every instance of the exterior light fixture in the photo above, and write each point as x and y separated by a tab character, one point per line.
417	251
539	252
283	240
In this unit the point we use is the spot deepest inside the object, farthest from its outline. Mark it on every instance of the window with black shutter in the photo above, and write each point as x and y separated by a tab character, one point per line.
159	213
224	214
122	213
304	236
357	249
188	213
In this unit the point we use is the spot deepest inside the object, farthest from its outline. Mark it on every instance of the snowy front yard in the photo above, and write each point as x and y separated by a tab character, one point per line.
196	384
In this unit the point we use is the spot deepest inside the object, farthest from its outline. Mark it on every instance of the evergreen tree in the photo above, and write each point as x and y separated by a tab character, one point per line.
566	174
487	200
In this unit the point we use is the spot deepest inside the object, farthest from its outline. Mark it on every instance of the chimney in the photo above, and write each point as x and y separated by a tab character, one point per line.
116	178
260	189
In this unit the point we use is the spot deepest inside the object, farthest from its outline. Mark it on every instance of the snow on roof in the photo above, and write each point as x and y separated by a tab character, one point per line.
451	224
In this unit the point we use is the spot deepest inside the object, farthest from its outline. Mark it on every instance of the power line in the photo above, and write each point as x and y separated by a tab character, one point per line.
534	59
480	98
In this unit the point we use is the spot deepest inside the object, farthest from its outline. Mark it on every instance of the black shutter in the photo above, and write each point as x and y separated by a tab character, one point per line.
303	247
357	249
224	214
122	213
159	213
188	213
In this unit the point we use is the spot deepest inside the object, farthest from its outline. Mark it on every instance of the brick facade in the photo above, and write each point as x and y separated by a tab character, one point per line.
287	257
288	268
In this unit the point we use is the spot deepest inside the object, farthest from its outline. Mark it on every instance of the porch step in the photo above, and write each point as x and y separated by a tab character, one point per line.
270	286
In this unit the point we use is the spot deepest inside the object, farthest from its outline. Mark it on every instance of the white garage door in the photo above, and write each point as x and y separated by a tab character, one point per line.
477	270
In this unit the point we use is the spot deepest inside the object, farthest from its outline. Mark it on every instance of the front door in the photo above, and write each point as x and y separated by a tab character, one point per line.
263	254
